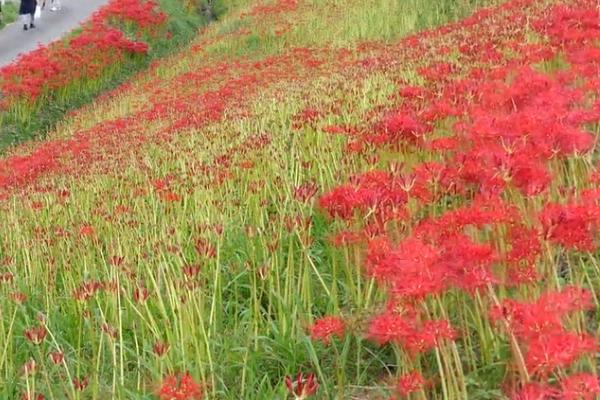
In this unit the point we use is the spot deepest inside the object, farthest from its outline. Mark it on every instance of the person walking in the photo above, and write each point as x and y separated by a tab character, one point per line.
55	5
27	12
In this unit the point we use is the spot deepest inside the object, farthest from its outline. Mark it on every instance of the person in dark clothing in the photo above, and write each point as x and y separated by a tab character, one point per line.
27	12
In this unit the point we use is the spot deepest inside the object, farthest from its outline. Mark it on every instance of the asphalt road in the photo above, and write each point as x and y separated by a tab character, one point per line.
51	26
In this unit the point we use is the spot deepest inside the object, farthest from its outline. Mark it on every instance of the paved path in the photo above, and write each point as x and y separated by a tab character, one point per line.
52	25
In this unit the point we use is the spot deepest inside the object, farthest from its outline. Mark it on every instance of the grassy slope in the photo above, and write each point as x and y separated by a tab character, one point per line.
139	202
26	122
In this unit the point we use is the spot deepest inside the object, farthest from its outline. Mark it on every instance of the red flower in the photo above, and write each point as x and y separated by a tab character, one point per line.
388	328
302	388
27	396
184	389
161	348
36	335
534	391
81	384
87	230
571	225
558	349
410	382
58	357
580	387
327	327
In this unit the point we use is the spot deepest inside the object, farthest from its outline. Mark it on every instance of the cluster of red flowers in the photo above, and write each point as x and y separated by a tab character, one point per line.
478	223
183	388
100	45
500	129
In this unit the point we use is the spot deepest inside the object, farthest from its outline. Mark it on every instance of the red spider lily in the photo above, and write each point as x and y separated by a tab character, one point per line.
57	357
535	391
388	327
525	250
110	330
141	294
558	349
7	277
571	225
327	327
530	320
87	231
87	290
81	384
410	382
185	388
303	387
404	125
161	348
28	396
205	248
36	335
19	297
580	386
191	271
30	367
306	191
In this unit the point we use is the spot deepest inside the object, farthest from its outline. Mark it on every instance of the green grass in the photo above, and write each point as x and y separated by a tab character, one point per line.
10	13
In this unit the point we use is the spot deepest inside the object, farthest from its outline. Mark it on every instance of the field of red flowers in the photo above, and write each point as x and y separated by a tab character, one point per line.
116	41
313	202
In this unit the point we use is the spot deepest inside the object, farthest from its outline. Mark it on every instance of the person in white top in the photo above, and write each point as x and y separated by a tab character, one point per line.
55	5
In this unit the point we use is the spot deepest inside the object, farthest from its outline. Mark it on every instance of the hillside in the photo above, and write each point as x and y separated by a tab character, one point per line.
396	199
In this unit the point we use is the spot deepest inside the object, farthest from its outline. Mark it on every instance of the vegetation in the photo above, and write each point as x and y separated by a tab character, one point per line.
319	199
9	14
41	87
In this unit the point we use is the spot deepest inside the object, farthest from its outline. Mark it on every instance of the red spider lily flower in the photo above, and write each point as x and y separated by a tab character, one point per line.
582	386
530	176
185	388
191	271
7	277
327	327
205	248
170	196
525	250
81	384
571	225
141	294
29	367
306	191
161	348
110	330
534	391
424	338
28	396
87	290
87	231
558	349
302	388
19	297
529	321
36	335
116	261
403	126
410	382
389	327
57	357
414	270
